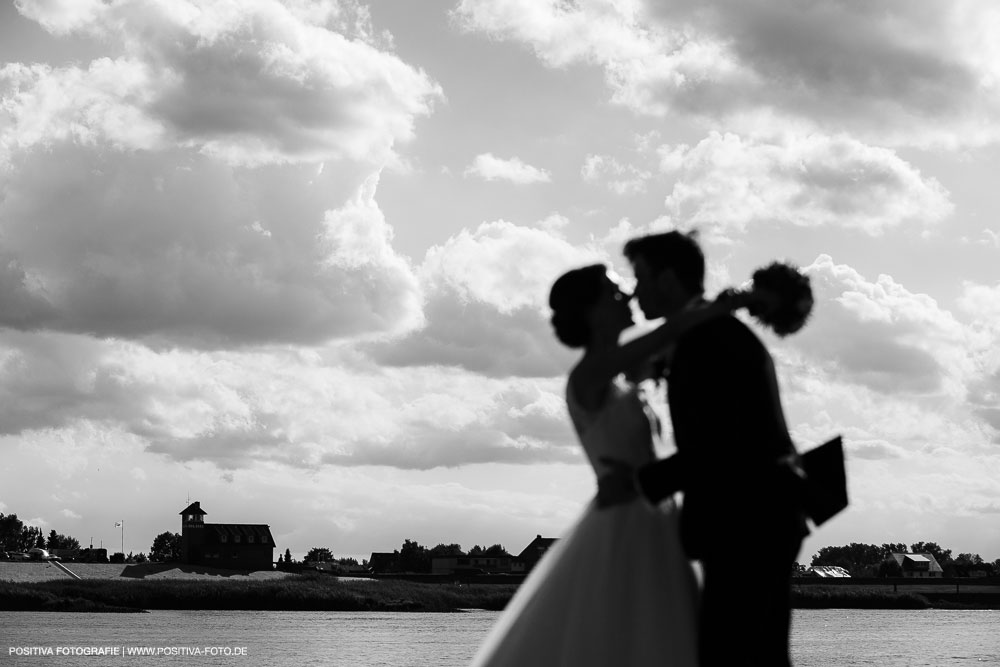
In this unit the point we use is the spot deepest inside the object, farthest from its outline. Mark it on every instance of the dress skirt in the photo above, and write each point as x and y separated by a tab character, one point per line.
617	589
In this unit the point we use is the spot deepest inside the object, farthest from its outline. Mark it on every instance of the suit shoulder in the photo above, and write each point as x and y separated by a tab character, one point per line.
726	328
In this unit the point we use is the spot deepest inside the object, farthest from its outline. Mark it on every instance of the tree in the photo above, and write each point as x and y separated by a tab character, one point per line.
10	532
413	558
445	550
15	536
861	560
496	551
966	564
57	541
117	557
166	548
476	550
319	555
288	556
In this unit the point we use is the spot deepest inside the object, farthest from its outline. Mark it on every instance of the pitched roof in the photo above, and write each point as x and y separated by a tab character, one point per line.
828	571
193	508
381	559
537	547
913	558
260	532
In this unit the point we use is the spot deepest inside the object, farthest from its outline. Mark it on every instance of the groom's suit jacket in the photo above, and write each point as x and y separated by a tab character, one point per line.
730	433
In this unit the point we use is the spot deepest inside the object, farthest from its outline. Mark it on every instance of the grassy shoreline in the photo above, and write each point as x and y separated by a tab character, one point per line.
320	592
308	592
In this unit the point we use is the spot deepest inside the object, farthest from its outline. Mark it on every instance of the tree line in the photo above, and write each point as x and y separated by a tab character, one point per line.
17	537
875	560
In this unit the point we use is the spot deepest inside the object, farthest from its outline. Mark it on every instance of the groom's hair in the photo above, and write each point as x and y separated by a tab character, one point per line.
672	250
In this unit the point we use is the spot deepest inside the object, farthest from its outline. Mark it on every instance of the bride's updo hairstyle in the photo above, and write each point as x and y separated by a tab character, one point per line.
572	295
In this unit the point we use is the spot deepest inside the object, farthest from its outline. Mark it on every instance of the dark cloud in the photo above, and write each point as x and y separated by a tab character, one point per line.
908	73
178	248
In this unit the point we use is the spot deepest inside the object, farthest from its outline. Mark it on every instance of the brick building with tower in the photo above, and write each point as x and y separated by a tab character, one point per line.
234	546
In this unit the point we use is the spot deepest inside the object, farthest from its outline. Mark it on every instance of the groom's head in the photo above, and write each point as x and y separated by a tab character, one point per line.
669	271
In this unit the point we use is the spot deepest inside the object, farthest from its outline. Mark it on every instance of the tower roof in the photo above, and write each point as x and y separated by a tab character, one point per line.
193	508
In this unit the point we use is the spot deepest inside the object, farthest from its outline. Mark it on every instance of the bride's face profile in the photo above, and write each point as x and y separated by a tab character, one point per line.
611	312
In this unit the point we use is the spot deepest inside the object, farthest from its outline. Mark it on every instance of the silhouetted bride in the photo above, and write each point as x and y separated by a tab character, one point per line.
617	589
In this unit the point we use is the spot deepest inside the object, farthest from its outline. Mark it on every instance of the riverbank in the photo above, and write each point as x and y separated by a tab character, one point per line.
308	592
324	592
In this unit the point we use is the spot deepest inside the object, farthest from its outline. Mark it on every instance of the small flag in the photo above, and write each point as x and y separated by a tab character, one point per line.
118	524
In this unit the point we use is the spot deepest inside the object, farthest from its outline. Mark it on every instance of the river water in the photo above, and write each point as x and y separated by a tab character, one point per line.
351	639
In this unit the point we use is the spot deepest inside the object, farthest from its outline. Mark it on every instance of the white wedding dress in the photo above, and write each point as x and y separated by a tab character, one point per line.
616	589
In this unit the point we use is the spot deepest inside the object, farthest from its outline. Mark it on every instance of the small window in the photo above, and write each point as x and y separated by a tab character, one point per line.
236	539
223	538
250	539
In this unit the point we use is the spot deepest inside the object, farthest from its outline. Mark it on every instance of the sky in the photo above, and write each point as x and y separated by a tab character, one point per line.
290	258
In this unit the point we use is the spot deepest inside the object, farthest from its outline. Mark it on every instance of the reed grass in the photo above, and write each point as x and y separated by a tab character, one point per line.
305	593
323	592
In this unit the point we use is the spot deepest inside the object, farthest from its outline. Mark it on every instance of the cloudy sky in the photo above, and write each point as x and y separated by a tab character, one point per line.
290	258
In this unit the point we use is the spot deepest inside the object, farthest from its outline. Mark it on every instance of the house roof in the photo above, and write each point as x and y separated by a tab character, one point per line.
259	531
829	571
193	508
382	559
537	547
913	558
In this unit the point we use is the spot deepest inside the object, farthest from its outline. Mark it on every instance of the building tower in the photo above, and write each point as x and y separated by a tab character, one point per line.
192	532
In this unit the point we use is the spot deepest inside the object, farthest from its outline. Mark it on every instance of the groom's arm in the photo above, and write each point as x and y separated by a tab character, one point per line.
656	481
660	479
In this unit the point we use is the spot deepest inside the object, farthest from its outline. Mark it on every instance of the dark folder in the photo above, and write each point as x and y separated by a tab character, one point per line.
826	480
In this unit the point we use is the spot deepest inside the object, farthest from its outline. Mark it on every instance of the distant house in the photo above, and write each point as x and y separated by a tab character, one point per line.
532	553
382	561
234	546
827	572
918	565
465	564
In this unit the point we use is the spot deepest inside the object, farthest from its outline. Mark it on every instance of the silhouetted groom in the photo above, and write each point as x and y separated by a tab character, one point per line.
739	517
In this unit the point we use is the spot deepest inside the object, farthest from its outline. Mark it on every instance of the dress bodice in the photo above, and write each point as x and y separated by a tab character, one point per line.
621	428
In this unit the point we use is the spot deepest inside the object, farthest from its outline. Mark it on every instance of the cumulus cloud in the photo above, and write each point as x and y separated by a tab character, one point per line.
485	312
917	73
491	168
881	335
255	83
895	364
210	183
66	395
622	179
730	183
182	248
981	303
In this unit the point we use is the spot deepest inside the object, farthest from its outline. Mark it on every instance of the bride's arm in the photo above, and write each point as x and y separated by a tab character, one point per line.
601	368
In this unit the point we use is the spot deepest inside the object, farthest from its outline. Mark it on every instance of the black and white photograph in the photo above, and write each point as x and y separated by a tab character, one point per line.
489	333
